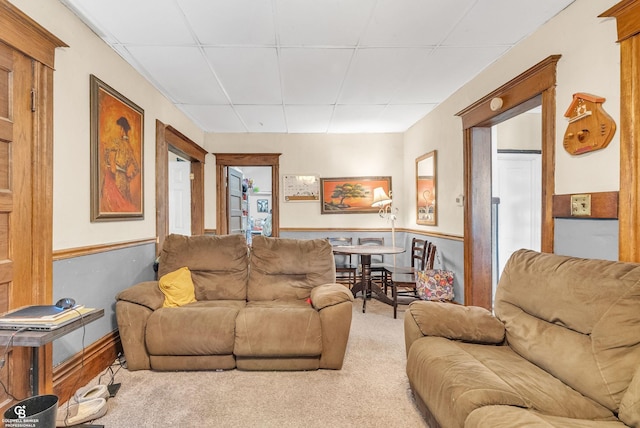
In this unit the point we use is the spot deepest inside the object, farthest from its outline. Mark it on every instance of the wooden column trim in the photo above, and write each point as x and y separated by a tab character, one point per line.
604	205
627	14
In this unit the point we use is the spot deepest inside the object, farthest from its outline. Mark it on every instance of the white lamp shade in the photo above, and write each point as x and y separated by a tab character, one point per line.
380	197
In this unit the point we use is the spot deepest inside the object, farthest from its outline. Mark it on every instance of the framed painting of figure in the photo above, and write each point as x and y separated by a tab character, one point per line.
117	149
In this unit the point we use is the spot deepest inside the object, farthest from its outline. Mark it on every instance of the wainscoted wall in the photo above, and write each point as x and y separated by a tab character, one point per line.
93	280
450	251
590	238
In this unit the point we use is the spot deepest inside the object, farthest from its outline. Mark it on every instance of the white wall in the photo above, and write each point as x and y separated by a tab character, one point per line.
87	54
327	155
590	63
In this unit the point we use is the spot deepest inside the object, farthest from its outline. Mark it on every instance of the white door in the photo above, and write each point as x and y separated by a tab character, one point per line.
180	197
519	188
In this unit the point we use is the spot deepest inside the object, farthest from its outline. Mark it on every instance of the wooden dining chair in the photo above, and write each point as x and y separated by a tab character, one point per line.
403	280
346	271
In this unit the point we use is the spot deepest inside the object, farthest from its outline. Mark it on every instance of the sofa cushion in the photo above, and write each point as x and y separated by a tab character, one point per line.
218	264
278	329
177	288
454	378
287	269
511	416
575	318
192	330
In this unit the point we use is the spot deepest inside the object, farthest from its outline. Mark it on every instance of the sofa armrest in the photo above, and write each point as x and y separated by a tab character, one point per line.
456	322
146	293
327	295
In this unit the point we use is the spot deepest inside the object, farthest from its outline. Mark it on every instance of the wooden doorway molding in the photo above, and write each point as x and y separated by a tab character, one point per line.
168	139
27	53
535	87
224	160
627	14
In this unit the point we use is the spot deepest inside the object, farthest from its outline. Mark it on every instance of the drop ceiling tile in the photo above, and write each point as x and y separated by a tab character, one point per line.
443	72
313	76
248	75
413	22
214	118
376	73
355	118
237	22
399	118
126	21
168	66
261	118
322	23
503	22
308	119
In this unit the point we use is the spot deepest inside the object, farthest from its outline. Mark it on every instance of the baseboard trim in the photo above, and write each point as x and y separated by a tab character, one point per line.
78	371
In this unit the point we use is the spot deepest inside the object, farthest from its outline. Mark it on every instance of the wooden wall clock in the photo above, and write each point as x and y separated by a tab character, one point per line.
590	127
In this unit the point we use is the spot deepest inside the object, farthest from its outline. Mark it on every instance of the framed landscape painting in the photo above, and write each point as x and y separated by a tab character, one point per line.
117	142
350	195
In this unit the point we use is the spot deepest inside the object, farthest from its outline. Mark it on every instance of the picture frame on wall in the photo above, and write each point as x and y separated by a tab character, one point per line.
350	195
263	205
117	154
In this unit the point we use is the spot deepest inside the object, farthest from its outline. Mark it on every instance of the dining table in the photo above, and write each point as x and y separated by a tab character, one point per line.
366	285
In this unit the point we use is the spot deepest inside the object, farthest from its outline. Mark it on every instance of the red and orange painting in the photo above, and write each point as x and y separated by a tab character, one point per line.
117	154
348	195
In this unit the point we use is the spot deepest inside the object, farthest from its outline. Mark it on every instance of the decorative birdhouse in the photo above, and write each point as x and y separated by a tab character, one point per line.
590	127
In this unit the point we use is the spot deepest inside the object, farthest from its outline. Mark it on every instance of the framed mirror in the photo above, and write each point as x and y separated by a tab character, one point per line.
426	185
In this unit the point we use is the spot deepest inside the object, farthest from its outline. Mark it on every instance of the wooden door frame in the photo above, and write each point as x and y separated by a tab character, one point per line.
224	160
627	14
168	139
534	87
35	253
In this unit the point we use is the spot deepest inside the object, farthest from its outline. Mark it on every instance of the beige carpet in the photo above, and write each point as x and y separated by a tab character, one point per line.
370	391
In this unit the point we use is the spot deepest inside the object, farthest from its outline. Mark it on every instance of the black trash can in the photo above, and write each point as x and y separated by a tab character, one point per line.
36	412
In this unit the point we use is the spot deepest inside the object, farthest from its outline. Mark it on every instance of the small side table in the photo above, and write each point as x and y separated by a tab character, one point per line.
36	339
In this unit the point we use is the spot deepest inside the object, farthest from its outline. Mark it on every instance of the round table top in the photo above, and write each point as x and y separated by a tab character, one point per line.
367	249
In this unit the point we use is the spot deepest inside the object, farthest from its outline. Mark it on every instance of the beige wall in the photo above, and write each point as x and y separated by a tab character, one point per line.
590	63
87	54
327	155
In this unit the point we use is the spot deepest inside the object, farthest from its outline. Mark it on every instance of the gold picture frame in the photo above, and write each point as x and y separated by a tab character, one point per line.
117	155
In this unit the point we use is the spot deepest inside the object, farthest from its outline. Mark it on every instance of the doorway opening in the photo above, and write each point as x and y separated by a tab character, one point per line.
535	87
247	194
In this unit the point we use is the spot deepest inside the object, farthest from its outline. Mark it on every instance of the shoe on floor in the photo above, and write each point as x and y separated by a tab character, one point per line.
90	392
70	414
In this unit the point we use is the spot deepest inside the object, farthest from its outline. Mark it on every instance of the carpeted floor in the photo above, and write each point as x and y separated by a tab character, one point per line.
371	390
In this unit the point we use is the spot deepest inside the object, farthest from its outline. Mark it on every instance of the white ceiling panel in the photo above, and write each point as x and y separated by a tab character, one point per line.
213	118
231	23
406	115
376	73
313	76
308	119
249	75
413	22
355	119
492	22
331	65
120	21
424	84
262	118
322	23
167	65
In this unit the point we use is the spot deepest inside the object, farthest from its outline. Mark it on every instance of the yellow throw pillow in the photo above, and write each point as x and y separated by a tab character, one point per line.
177	287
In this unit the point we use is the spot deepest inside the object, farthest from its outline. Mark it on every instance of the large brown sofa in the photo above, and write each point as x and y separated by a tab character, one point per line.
563	349
252	311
